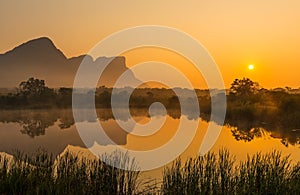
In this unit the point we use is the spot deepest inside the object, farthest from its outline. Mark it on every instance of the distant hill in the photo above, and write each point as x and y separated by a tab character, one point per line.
41	59
153	84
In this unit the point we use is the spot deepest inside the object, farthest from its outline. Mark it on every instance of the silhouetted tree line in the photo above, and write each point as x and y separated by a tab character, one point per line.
250	108
263	106
34	94
246	100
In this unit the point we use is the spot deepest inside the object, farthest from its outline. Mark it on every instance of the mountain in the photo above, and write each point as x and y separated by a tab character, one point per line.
41	59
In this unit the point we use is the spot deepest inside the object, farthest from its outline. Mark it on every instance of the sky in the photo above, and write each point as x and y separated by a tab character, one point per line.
236	33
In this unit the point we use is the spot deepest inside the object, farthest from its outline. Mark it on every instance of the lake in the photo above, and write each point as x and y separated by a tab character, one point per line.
55	131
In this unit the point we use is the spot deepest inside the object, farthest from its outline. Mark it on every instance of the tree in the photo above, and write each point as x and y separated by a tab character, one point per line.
64	97
173	102
244	87
32	87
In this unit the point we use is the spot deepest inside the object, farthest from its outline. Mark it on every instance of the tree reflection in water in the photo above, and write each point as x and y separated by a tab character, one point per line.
35	123
243	130
33	127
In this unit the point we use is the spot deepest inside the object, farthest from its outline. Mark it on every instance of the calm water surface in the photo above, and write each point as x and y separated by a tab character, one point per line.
55	131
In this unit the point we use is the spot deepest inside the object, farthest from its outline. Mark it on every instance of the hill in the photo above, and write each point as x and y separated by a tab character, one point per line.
41	59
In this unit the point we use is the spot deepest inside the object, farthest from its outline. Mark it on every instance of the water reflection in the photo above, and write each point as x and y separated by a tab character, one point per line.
35	123
244	130
32	123
247	136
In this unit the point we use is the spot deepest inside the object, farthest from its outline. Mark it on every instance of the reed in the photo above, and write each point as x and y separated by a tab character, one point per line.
67	174
269	173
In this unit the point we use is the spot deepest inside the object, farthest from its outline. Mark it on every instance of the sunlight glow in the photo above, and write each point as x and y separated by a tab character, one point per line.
251	67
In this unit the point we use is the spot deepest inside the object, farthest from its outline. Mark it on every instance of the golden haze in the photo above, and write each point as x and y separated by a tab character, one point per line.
236	33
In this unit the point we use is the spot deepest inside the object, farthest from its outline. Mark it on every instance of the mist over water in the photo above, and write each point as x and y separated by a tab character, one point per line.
54	130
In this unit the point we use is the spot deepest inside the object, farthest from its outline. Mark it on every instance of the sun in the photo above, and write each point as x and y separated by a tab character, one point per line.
251	67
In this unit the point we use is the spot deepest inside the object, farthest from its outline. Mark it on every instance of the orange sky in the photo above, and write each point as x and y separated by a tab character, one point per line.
236	33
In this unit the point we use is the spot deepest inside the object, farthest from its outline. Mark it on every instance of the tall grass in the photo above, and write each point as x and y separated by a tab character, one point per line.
67	174
269	173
